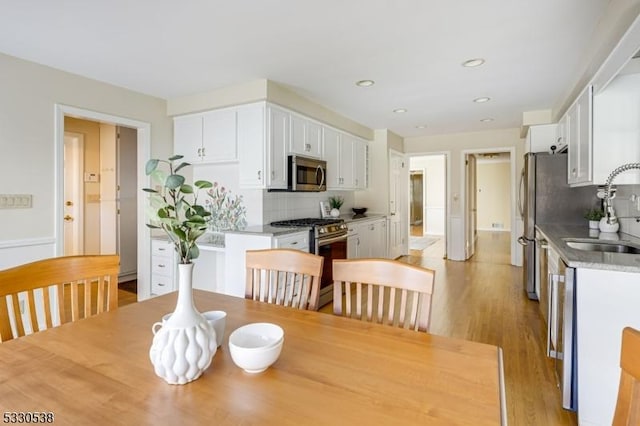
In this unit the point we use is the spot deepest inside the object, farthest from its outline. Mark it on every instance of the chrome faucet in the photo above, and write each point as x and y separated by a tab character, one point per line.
608	208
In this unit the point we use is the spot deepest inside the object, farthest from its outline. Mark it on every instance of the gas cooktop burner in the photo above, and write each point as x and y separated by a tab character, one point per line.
310	221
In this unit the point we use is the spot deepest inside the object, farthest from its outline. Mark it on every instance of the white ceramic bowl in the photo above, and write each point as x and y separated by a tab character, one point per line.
254	347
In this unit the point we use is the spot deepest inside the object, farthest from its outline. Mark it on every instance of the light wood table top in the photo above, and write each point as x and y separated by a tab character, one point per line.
332	370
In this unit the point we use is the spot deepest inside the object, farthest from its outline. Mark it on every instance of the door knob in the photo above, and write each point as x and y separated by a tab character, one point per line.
68	218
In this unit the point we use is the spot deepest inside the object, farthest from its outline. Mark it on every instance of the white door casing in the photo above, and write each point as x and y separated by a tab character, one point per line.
143	154
73	194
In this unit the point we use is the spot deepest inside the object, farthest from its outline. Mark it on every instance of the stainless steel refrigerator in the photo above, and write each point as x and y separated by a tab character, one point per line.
545	197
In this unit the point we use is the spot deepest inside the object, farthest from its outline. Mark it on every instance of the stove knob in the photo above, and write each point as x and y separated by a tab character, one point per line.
321	231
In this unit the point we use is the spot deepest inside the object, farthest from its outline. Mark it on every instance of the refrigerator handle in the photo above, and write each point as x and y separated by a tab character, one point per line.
520	188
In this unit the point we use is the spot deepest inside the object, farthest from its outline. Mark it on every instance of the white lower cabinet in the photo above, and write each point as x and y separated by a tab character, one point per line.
606	302
208	270
163	267
236	246
367	238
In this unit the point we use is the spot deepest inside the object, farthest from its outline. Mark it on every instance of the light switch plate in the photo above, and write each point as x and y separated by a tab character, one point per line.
15	201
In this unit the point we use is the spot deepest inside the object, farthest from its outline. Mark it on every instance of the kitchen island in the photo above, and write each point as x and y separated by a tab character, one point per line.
607	299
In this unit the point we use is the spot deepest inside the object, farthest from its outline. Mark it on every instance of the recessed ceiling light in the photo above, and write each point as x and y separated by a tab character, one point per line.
365	83
400	110
486	120
473	63
421	126
481	100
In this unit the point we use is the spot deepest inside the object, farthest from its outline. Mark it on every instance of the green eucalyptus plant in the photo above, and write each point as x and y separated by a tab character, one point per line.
175	207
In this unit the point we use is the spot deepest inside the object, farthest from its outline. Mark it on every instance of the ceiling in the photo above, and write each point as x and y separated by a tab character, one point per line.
412	49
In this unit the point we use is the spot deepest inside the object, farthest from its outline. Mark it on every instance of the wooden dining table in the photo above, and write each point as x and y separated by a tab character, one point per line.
332	371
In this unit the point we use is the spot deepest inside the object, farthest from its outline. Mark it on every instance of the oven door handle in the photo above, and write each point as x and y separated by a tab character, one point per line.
324	242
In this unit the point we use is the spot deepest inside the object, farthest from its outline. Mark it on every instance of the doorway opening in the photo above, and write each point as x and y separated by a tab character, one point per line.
428	204
100	172
489	199
100	191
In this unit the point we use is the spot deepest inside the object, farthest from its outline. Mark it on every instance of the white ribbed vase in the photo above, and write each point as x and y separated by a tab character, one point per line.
186	343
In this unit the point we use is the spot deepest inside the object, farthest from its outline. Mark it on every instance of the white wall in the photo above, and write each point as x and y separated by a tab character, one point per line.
28	93
494	194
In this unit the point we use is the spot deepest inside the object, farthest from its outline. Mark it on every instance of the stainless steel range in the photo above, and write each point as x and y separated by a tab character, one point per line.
328	238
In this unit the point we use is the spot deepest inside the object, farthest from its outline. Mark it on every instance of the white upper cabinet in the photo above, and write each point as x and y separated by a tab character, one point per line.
219	135
346	160
209	137
187	137
360	164
263	135
542	137
277	141
251	141
306	137
577	126
616	129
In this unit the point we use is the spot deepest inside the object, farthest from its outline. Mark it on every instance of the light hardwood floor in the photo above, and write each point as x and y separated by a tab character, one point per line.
483	300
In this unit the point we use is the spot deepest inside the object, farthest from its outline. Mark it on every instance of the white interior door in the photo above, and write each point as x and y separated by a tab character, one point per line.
398	205
73	194
127	192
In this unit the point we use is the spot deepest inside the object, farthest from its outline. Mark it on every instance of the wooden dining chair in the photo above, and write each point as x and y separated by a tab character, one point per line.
284	277
50	292
628	405
383	291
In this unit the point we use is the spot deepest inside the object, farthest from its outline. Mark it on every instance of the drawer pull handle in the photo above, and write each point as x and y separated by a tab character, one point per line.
160	265
161	284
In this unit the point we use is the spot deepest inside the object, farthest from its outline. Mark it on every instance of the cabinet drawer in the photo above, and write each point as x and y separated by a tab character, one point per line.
162	265
161	248
296	242
161	284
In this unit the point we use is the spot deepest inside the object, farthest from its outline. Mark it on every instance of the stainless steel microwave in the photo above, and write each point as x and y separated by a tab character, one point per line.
306	174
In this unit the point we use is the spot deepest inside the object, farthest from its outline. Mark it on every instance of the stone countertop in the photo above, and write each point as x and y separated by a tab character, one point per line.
274	231
209	241
361	217
624	262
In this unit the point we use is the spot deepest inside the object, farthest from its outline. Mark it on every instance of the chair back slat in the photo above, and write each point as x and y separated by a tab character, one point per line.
45	293
401	292
627	411
285	277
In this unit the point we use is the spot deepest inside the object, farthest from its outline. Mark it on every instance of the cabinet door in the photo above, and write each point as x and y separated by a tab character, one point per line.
251	146
306	137
313	135
378	231
360	164
187	137
571	132
347	175
278	141
353	242
219	136
585	167
331	139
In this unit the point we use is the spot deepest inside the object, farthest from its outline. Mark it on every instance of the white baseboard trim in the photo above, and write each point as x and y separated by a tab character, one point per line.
495	229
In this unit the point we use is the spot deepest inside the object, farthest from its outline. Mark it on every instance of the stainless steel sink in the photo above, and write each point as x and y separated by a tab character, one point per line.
603	246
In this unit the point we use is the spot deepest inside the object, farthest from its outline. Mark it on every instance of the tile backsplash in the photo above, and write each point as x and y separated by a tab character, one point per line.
626	207
297	205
